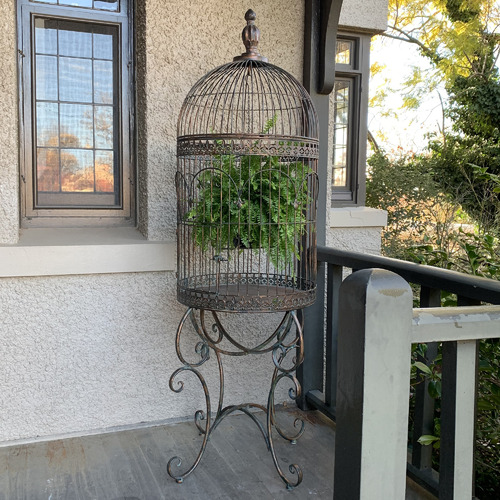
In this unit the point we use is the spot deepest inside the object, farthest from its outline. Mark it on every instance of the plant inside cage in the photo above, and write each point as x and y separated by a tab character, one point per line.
252	202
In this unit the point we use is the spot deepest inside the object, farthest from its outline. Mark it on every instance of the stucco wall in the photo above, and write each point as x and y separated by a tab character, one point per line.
182	45
366	16
356	239
81	353
9	150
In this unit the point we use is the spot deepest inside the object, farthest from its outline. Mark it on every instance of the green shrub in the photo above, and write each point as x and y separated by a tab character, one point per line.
426	227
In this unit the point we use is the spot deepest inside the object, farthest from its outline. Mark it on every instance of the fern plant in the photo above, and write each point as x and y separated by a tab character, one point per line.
253	202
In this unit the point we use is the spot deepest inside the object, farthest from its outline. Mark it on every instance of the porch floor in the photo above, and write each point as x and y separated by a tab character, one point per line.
131	464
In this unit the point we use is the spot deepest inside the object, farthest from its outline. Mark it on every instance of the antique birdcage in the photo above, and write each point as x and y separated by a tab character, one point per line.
247	153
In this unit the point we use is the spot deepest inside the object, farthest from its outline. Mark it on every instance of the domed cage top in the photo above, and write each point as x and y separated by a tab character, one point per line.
247	185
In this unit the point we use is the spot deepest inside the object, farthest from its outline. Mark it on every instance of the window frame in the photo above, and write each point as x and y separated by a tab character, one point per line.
123	215
357	73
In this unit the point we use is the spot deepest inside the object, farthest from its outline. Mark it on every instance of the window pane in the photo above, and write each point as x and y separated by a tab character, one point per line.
103	46
103	82
76	126
103	125
46	77
106	4
112	5
75	43
76	109
75	79
343	53
47	124
76	3
104	172
47	169
342	100
45	36
77	170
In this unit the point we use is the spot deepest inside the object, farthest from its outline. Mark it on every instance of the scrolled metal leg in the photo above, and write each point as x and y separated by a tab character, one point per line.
202	350
199	415
280	348
280	372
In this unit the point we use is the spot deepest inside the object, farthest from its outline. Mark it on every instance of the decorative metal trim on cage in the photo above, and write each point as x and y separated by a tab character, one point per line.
247	187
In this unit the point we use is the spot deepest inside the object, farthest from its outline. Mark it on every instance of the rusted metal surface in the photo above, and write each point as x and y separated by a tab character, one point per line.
287	354
250	36
247	188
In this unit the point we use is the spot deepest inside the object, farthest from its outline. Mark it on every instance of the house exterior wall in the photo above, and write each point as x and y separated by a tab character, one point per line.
84	346
364	16
9	149
92	352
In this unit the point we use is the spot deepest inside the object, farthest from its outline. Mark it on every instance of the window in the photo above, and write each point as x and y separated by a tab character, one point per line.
350	108
76	112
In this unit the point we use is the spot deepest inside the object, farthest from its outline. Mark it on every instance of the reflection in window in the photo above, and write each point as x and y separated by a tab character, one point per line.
342	100
77	170
112	5
343	52
46	70
75	79
104	178
76	113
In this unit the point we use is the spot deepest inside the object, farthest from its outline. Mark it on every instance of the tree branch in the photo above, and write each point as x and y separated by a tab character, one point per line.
373	142
406	37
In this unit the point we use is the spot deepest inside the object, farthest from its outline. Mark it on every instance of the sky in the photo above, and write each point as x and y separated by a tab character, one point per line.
407	132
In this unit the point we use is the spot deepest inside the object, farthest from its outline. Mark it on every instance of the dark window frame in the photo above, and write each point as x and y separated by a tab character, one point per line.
358	74
123	213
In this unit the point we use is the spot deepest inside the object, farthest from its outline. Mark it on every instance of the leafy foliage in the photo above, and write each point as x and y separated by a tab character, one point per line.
252	202
406	188
457	36
466	163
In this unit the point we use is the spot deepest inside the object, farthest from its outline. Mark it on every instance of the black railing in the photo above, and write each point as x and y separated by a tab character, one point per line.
318	374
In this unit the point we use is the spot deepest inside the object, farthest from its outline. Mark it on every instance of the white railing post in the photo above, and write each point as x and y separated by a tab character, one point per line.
457	420
374	358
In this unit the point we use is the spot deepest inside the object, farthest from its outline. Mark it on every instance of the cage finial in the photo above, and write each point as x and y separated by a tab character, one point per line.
250	36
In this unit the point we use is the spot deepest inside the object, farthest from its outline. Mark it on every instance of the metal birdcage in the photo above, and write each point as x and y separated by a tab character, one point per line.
247	185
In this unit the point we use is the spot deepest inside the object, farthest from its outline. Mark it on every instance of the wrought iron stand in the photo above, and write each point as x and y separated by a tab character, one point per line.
278	345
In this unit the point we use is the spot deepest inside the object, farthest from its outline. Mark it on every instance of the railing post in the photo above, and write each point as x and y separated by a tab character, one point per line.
374	355
333	283
457	420
458	416
420	469
310	372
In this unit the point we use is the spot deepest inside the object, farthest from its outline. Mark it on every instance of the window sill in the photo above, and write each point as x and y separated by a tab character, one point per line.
357	217
58	252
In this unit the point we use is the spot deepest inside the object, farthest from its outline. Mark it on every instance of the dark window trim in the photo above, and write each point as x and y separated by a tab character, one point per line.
359	73
77	217
346	193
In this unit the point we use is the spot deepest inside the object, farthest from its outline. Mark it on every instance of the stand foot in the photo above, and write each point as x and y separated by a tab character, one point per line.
279	346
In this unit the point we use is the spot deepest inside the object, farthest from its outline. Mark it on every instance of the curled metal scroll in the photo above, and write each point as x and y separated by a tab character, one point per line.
287	354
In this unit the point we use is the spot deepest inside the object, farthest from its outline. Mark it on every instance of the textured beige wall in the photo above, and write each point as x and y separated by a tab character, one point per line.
182	45
356	239
366	16
88	352
9	150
